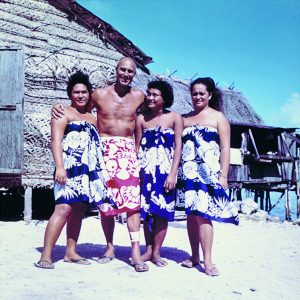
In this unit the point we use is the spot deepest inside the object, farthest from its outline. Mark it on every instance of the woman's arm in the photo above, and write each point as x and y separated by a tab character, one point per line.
224	134
57	132
172	178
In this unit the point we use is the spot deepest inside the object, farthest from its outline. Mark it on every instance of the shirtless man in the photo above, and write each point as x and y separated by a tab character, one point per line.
116	107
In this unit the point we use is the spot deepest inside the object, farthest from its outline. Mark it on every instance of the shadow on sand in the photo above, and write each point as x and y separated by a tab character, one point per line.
123	253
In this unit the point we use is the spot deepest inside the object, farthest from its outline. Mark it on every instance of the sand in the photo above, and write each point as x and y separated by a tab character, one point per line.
257	260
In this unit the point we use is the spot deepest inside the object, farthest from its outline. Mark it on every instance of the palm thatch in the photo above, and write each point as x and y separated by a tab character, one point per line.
235	106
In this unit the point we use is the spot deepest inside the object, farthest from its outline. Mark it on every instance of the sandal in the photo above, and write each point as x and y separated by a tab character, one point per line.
79	261
140	266
212	271
44	264
160	262
188	263
105	259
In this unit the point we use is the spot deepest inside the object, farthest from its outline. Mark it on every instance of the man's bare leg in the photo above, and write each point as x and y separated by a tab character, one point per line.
133	225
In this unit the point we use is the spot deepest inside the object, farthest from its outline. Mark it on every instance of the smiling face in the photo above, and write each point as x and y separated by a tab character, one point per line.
154	99
200	96
125	71
80	96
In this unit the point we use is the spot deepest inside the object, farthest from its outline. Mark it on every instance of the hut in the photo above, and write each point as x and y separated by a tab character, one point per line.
42	43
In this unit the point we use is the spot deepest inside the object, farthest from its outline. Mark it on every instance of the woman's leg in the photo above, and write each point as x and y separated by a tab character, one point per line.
149	239
108	226
193	233
160	231
53	230
206	235
73	230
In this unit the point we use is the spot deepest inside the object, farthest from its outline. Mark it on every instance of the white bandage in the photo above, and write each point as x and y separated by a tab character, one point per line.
134	236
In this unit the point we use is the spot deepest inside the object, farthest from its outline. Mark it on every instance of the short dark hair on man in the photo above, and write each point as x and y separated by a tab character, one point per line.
166	91
79	77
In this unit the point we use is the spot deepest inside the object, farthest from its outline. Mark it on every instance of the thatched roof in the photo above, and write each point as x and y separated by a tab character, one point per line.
105	31
236	107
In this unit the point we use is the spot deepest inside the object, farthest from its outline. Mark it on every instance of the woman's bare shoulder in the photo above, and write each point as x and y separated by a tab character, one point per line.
187	115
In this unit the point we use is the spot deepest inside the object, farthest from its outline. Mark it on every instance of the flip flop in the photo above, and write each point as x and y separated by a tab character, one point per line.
188	263
160	263
140	266
79	261
212	271
44	264
104	259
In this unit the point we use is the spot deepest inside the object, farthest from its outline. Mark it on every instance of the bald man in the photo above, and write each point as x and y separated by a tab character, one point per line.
116	107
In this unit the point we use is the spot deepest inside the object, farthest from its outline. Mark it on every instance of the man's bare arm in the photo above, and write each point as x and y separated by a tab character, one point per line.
57	111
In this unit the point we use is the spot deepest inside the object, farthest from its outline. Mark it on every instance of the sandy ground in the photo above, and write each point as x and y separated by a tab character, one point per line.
256	261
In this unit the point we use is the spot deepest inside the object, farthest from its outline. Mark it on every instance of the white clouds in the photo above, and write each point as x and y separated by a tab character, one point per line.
288	115
290	111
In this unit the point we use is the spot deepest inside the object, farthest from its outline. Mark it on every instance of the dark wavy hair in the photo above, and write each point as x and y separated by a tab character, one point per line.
79	77
216	100
166	91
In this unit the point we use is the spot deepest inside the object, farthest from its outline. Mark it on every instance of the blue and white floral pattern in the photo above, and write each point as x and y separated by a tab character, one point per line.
83	161
199	190
155	158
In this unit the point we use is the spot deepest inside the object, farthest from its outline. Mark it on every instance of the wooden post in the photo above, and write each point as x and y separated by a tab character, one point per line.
239	194
261	196
256	196
28	204
298	198
268	201
297	169
287	206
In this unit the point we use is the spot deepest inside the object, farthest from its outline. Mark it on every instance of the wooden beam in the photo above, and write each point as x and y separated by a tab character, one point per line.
286	145
253	143
278	200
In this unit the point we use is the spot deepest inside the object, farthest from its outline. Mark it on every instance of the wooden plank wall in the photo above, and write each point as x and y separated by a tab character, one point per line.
11	109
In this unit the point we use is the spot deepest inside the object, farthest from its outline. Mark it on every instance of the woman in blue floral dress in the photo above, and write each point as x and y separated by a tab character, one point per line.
78	175
203	172
158	139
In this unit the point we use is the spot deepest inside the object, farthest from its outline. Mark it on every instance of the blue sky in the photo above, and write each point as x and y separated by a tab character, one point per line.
251	44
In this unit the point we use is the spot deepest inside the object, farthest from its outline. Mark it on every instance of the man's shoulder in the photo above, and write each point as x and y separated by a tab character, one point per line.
136	92
137	96
100	93
103	90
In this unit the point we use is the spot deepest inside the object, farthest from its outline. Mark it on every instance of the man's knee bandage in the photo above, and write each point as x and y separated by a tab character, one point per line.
134	236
